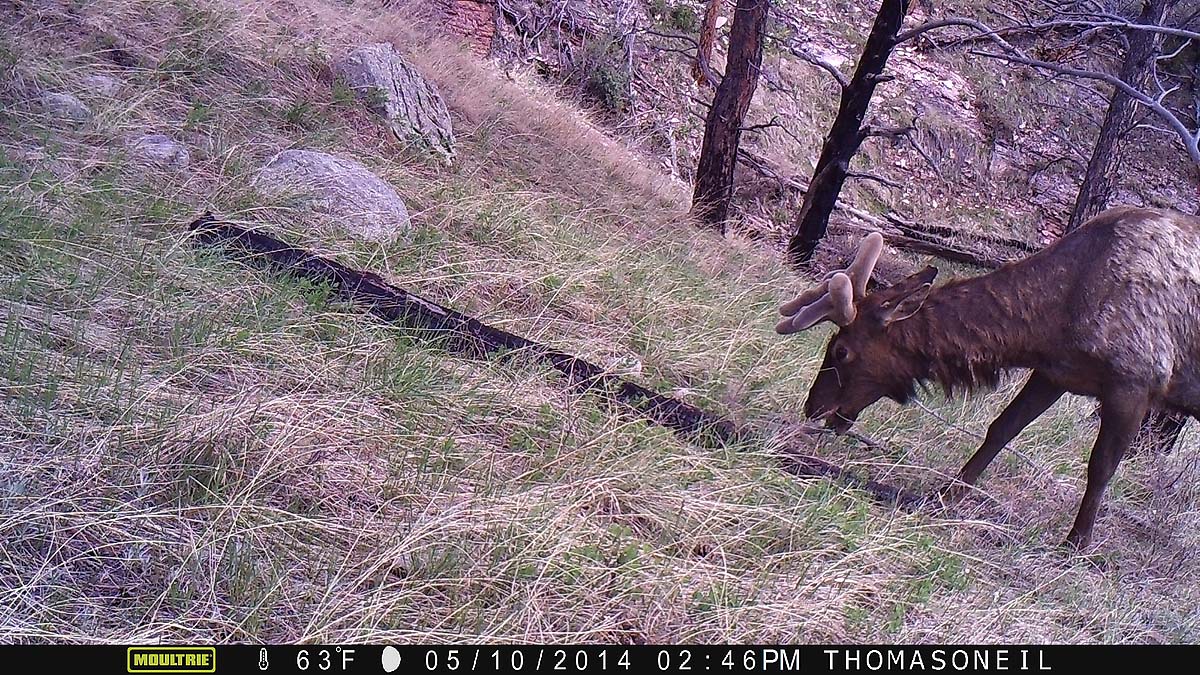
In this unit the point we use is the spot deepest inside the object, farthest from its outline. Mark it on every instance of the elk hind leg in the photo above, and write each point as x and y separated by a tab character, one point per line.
1160	431
1121	414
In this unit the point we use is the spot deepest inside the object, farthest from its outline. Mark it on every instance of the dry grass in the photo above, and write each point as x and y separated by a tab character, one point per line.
191	449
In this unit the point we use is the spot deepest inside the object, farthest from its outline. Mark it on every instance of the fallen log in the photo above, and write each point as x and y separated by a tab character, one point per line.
945	251
463	333
930	230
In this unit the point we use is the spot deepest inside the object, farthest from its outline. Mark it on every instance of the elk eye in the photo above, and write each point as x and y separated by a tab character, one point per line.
840	353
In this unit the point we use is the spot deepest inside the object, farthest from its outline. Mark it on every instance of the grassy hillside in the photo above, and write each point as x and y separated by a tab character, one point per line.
194	449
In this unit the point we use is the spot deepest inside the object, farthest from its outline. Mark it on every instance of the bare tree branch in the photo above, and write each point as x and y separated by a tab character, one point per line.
1152	127
1117	22
1182	46
1109	21
840	77
1046	164
891	133
773	124
1190	139
672	36
809	57
951	21
866	175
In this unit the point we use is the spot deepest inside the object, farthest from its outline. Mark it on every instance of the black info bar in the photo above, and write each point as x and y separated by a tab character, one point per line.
351	658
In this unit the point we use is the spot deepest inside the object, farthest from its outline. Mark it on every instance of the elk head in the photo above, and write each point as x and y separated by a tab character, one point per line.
862	362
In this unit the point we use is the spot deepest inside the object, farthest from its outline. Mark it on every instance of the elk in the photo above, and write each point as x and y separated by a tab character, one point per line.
1111	311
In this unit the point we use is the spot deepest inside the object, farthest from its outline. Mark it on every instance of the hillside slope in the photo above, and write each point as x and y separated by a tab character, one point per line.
192	449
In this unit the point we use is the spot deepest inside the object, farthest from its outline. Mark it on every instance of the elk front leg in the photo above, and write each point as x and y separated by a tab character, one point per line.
1035	397
1121	414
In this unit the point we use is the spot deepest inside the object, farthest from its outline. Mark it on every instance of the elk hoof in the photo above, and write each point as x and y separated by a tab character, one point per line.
1078	541
953	492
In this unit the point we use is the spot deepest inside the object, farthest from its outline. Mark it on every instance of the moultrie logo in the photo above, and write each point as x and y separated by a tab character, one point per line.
171	659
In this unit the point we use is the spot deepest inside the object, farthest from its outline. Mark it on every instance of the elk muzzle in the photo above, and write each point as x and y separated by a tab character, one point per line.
832	416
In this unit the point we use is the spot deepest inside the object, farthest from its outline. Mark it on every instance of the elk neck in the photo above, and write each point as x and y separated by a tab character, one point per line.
970	330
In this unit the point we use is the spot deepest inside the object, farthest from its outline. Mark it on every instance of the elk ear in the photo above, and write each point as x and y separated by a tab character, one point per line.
906	298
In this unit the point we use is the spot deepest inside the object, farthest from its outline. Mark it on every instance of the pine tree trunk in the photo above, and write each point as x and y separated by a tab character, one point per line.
723	128
846	135
1099	180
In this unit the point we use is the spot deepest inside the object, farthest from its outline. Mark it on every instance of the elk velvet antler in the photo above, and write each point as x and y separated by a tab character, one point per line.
834	299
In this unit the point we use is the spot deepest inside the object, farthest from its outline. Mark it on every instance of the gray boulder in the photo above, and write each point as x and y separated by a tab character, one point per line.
65	107
394	90
102	85
160	151
366	205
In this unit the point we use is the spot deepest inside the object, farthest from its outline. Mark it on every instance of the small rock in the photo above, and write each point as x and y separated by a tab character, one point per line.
160	150
65	107
102	85
365	204
835	60
394	90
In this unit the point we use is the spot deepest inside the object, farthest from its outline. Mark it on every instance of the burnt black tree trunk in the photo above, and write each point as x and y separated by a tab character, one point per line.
723	128
1099	180
847	133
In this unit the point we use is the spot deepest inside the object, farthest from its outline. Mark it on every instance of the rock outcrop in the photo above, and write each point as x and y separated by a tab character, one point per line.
394	90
